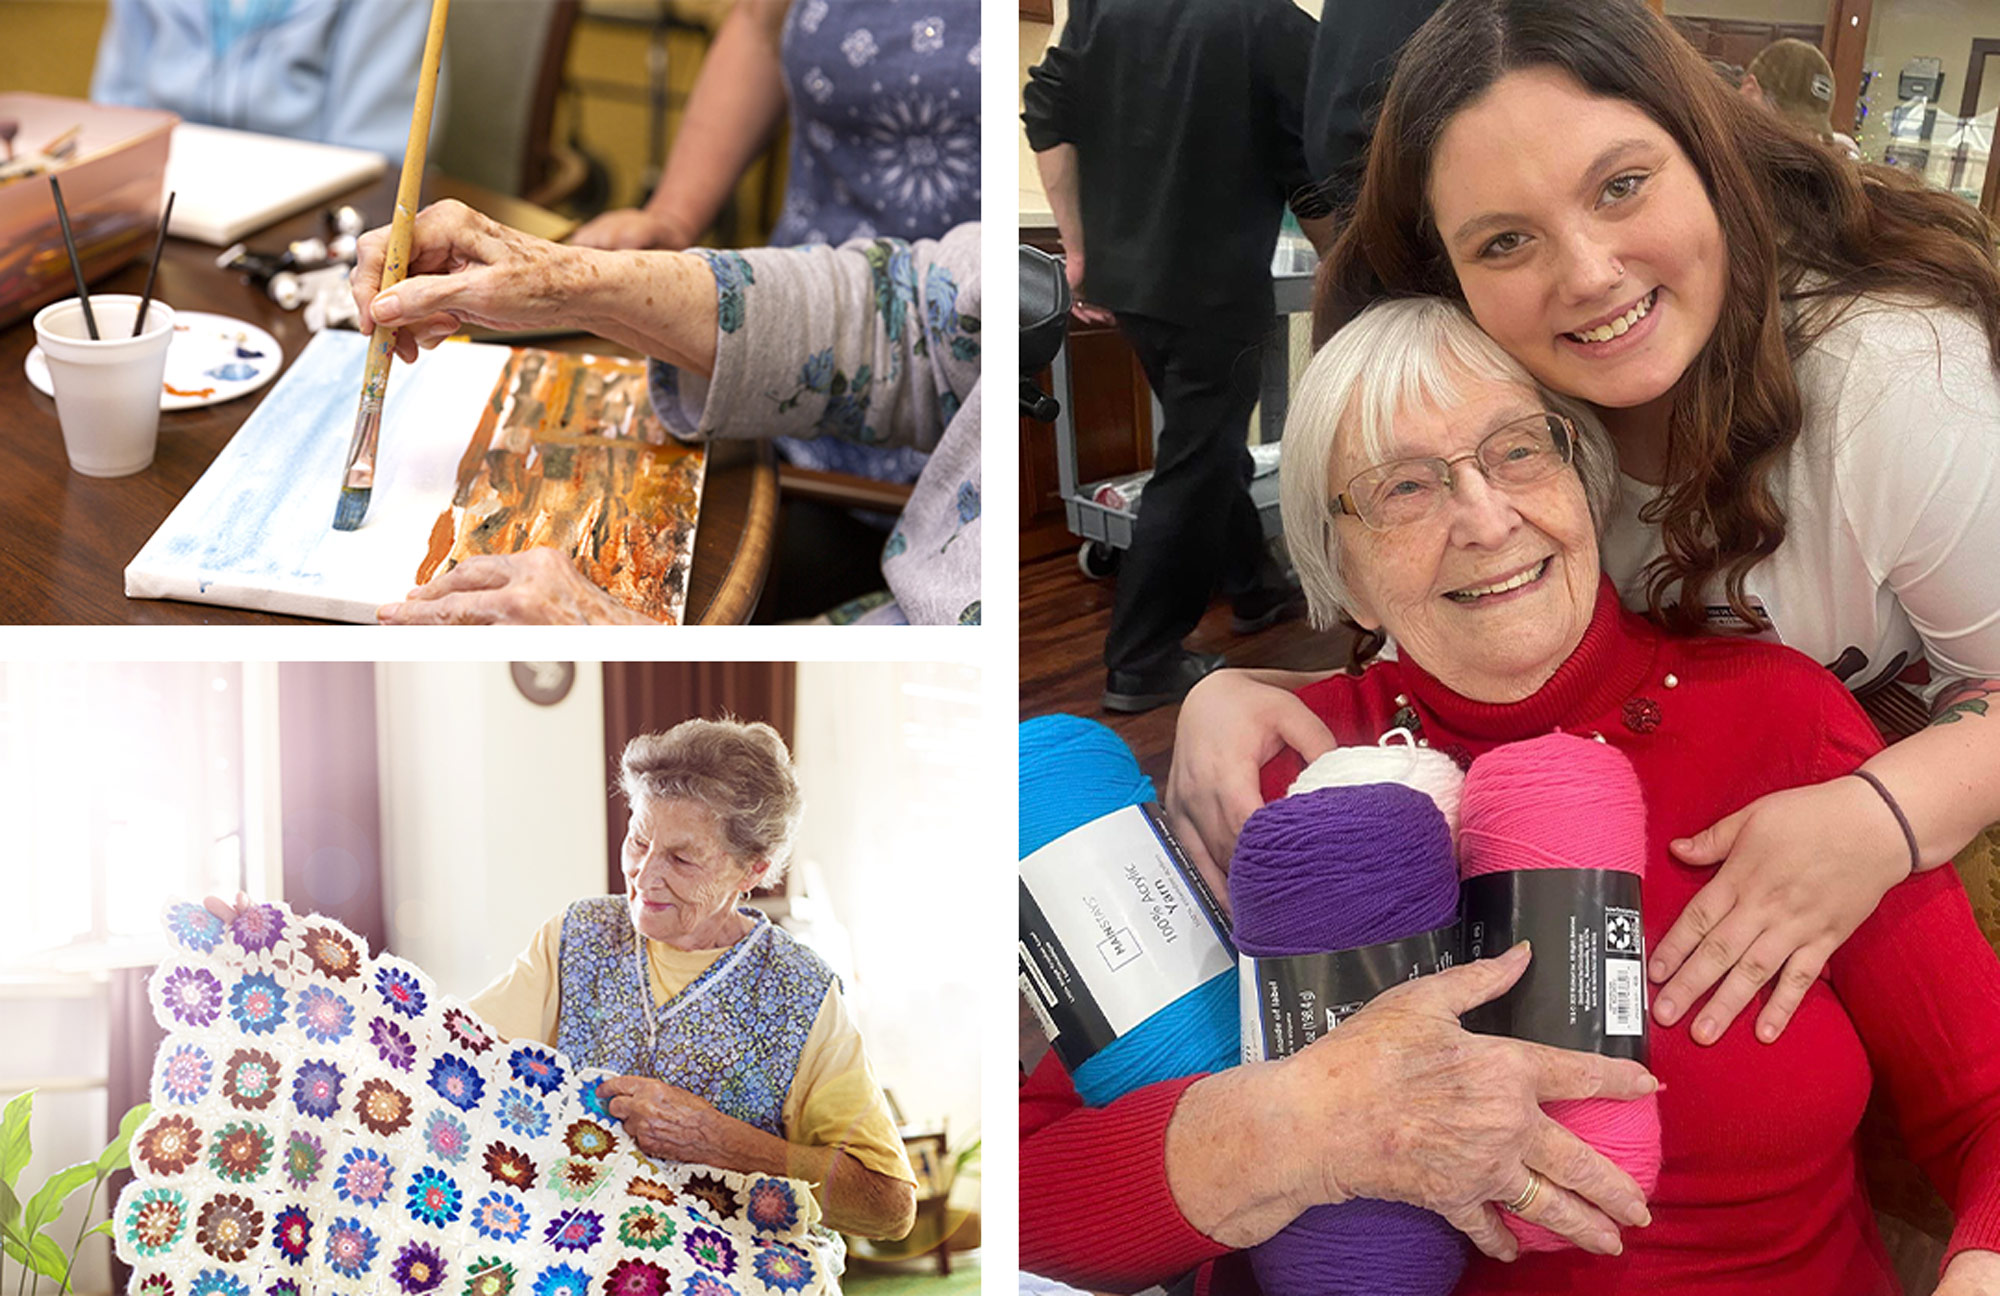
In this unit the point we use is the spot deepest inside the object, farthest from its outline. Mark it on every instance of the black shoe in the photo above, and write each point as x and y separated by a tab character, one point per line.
1266	606
1133	691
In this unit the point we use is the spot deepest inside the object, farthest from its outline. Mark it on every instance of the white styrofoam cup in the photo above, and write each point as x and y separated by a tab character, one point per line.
108	390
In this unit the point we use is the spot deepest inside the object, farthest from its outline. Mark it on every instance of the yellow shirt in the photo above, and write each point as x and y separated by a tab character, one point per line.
833	1102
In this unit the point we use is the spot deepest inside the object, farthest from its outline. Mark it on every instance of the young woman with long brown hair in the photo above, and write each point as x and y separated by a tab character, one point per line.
1799	362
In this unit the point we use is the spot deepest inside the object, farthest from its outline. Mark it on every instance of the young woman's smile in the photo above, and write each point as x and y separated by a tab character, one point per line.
1592	252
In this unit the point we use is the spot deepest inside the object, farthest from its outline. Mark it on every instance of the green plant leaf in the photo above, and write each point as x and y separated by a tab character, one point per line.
14	1146
47	1204
117	1155
102	1226
10	1206
43	1256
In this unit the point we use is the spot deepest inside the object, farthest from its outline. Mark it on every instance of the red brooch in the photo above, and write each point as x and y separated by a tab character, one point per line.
1642	715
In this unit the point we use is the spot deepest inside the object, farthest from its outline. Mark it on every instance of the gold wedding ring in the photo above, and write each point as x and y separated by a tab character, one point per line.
1527	1197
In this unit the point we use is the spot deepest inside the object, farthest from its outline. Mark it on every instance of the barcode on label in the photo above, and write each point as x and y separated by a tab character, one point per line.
1041	1013
1624	997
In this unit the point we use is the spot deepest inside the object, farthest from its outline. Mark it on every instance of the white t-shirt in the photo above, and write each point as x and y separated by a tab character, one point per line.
1890	567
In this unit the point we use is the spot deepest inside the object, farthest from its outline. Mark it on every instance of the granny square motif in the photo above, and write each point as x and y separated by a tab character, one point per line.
325	1121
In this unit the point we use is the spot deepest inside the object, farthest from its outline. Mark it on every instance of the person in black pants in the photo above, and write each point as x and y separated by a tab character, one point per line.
1168	136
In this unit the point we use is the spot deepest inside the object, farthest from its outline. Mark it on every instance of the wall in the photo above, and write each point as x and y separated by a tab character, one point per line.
50	46
1813	11
492	812
55	1040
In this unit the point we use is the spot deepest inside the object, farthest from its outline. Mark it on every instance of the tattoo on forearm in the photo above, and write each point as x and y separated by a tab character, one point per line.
1964	700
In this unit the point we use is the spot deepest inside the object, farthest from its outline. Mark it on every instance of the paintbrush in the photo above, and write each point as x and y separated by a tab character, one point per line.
146	302
358	481
75	261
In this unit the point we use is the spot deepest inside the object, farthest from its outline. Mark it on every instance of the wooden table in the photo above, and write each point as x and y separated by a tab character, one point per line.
65	538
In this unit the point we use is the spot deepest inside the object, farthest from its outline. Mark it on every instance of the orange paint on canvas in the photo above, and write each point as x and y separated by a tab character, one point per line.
569	454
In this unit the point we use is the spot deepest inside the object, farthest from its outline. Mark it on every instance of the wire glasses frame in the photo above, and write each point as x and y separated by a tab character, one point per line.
1517	453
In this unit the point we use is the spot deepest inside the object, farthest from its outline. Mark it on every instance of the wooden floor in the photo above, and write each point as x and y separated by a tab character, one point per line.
1064	616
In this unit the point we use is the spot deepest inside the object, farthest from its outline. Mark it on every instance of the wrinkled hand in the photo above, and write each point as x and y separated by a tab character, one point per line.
631	228
1971	1273
223	909
464	268
1229	726
665	1121
1430	1114
1801	869
533	587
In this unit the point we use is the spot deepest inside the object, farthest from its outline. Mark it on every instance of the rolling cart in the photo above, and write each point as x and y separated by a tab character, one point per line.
1102	514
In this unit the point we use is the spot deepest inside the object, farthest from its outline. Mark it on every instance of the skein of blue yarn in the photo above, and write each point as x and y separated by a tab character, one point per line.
1334	869
1073	771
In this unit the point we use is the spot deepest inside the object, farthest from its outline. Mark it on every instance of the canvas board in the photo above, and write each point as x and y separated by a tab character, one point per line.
484	449
227	183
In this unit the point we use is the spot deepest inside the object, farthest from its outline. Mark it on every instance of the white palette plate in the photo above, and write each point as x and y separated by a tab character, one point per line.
212	359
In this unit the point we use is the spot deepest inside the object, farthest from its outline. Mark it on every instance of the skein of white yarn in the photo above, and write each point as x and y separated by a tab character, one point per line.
1395	760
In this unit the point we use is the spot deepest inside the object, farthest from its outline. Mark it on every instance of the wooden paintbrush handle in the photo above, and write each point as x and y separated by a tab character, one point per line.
409	189
359	475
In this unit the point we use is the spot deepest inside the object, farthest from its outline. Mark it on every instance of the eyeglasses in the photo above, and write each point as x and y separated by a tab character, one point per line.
1402	491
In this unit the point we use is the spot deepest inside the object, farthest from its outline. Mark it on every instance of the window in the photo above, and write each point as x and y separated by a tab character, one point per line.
121	785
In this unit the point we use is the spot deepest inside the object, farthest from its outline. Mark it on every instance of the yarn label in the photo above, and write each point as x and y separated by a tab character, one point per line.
1586	986
1115	925
1290	1000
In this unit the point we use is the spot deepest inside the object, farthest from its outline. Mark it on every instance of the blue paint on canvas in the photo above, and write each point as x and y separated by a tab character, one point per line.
257	529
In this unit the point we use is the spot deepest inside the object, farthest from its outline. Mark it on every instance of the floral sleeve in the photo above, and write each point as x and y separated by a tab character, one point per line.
876	341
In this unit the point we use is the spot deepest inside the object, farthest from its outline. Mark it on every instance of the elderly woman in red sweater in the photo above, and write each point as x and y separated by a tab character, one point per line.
1433	493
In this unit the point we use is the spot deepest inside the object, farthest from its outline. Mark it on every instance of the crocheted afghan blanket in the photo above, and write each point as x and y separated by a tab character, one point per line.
326	1121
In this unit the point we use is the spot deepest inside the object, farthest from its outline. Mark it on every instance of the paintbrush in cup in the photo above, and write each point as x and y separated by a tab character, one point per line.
75	261
146	302
358	480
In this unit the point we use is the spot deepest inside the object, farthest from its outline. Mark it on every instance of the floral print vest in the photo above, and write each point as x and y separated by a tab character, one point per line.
732	1037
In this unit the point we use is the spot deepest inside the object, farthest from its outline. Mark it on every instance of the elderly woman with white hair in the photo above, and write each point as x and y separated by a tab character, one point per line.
734	1045
1435	495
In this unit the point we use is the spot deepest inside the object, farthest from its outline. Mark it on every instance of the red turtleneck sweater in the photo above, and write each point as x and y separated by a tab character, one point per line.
1759	1191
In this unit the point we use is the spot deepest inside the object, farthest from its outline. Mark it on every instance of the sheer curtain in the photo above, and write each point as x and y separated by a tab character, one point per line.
898	824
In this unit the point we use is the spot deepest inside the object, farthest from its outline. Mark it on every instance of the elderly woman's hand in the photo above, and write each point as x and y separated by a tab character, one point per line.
534	587
1801	869
632	228
465	268
1402	1104
665	1121
223	909
1230	724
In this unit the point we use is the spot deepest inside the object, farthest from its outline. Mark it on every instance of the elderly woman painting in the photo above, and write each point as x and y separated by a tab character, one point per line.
736	1048
1433	492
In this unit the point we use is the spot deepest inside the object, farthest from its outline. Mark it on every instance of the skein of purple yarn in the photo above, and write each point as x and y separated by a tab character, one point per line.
1335	869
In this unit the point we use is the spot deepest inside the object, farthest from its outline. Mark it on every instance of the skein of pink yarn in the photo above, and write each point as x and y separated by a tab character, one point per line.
1563	802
